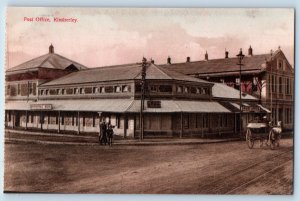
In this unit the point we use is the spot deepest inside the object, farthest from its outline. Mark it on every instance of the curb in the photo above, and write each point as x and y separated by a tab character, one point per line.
47	142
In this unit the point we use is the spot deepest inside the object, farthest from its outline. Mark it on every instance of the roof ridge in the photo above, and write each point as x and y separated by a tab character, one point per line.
161	70
27	62
44	60
69	60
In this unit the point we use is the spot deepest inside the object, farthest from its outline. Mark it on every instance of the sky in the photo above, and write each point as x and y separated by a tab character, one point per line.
112	36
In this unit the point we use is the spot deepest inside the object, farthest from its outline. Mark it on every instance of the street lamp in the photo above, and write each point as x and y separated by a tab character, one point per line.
240	59
143	80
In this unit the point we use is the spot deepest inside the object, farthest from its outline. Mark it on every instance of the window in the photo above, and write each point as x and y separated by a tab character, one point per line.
95	90
42	92
46	92
280	85
76	90
193	90
58	91
81	91
288	86
165	88
186	90
237	81
109	89
101	90
179	89
117	89
280	64
287	115
222	80
19	89
30	88
63	91
125	88
273	85
153	88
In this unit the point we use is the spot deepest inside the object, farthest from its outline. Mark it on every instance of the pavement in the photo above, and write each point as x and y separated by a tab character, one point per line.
35	137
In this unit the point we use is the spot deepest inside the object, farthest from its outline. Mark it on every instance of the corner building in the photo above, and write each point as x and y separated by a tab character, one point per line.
76	98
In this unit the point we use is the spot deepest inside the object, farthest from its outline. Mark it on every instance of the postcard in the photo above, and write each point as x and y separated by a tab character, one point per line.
149	100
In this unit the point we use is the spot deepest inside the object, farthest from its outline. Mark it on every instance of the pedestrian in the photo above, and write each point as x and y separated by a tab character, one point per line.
103	133
110	133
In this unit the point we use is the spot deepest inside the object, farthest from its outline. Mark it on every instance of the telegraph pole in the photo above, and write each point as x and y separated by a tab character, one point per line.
240	57
143	80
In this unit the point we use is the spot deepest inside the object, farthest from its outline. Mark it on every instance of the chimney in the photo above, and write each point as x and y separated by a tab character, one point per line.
250	51
51	49
206	56
188	59
226	54
169	60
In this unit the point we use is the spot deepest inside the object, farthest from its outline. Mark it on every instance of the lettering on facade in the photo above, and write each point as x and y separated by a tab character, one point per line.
41	107
251	109
153	104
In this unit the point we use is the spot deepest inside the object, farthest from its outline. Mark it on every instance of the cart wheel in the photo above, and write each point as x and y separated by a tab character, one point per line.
249	139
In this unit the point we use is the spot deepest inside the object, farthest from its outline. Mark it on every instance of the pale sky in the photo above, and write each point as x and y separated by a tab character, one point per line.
110	36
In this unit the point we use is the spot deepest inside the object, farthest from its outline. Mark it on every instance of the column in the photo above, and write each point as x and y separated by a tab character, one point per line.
26	120
58	122
181	125
78	122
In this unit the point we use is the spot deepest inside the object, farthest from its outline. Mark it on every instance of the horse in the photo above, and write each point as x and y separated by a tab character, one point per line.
275	135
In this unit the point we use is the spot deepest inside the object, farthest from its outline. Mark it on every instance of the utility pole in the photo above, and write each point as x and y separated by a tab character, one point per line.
143	80
240	57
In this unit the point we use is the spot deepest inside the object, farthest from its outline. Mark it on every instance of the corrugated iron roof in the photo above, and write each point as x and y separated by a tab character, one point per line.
220	90
122	105
50	60
121	72
255	62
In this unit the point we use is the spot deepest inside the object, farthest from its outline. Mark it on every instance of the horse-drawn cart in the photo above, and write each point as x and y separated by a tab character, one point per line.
263	131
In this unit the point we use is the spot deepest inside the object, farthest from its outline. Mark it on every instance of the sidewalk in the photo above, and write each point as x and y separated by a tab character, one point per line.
22	136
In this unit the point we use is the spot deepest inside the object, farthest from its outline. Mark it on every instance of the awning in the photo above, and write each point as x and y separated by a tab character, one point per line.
263	108
119	105
254	105
94	105
169	106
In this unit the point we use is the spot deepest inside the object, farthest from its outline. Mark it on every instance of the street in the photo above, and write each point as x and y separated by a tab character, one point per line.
218	168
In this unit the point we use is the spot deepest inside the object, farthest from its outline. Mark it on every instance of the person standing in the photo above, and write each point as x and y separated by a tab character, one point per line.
103	130
110	133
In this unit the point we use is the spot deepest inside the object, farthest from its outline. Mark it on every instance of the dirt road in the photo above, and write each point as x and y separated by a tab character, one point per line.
221	168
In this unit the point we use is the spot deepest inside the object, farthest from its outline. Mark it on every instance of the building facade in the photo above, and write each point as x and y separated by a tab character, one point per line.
268	77
75	99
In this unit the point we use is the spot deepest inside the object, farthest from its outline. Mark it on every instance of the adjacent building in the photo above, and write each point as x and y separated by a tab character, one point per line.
269	77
